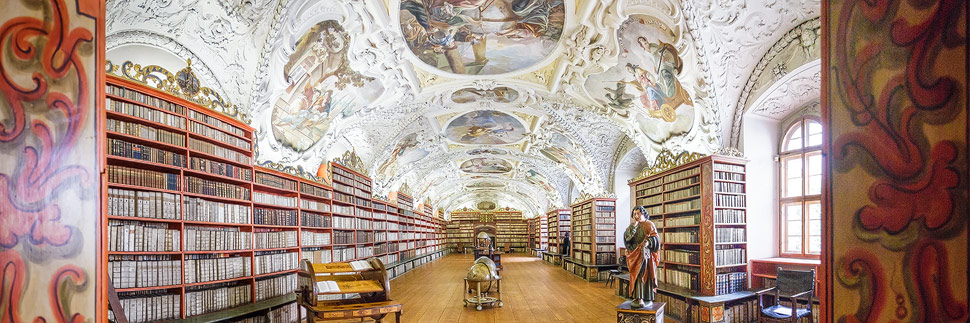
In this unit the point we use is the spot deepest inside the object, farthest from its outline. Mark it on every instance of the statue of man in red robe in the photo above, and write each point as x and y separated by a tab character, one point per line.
642	257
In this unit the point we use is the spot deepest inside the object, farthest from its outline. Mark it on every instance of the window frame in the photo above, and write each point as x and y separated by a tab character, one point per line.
802	199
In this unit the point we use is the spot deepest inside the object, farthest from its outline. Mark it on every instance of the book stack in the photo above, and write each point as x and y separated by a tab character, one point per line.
130	271
199	238
729	216
267	216
215	122
145	113
141	236
142	177
346	223
275	286
213	188
310	238
314	190
202	210
680	237
218	135
726	256
343	237
314	220
213	267
145	132
143	204
365	251
728	235
342	209
343	254
731	282
273	199
314	206
210	298
121	148
220	168
218	151
275	261
149	306
142	98
274	239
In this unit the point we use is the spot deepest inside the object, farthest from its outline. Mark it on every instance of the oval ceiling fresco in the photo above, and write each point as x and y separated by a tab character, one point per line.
481	37
486	165
500	94
322	87
488	127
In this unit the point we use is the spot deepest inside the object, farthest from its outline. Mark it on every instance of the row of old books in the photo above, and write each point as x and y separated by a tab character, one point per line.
219	151
144	98
314	220
315	206
143	204
365	252
218	189
679	194
275	261
365	237
689	236
346	223
683	206
275	286
729	216
685	277
141	112
682	174
274	217
145	132
202	210
134	271
690	219
727	256
142	177
210	298
727	283
682	183
218	135
136	236
314	190
220	168
273	199
274	239
344	254
213	267
149	306
342	209
725	235
199	238
729	200
729	176
275	181
121	148
317	255
682	256
215	122
343	237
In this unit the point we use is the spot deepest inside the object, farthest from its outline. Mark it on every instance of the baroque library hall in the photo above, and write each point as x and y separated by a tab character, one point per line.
484	161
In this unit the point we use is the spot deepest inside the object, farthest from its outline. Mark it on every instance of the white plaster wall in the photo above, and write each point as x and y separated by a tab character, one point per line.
623	204
759	142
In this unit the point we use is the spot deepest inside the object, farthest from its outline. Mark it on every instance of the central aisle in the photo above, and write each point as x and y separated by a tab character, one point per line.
532	290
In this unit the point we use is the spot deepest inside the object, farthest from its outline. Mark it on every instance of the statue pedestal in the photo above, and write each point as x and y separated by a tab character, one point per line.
651	313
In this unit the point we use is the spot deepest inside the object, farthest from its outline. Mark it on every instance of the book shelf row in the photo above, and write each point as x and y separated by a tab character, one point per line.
195	228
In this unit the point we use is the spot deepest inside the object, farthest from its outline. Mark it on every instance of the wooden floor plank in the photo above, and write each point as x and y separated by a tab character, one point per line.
532	291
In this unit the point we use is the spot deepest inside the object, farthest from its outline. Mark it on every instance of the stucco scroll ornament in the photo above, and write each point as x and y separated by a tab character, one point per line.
379	50
591	49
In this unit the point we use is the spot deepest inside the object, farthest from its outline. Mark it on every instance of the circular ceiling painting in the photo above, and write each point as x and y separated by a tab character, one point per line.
482	36
486	165
488	127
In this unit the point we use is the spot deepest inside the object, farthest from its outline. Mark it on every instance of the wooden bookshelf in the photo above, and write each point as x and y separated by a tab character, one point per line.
700	210
557	221
592	238
177	171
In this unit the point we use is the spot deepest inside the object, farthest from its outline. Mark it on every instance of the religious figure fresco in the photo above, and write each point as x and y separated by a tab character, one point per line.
485	127
321	87
405	152
649	82
486	165
482	37
536	178
484	185
499	94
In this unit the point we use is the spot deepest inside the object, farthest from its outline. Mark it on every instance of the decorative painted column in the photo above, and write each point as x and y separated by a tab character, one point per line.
51	84
895	103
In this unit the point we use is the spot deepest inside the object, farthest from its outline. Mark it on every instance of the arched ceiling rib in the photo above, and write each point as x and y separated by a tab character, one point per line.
514	104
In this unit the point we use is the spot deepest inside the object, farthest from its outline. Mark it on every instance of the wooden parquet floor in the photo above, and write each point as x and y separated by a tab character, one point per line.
532	291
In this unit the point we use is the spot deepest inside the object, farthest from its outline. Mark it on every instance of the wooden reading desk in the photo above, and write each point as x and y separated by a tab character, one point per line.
368	280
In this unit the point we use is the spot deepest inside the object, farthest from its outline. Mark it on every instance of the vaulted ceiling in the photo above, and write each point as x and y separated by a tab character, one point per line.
516	102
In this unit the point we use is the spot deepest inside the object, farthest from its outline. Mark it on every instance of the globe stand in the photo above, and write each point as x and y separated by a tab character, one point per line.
481	298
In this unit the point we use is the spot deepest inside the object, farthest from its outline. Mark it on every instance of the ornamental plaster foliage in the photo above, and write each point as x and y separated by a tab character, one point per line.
740	32
591	48
790	94
220	32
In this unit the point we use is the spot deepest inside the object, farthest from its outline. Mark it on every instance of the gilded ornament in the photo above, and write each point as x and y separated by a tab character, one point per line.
352	161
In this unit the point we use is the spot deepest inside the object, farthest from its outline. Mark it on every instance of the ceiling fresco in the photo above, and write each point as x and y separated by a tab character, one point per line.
514	102
481	36
488	127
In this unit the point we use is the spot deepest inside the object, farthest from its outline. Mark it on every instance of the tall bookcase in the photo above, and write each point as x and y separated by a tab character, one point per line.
196	231
557	221
593	238
700	210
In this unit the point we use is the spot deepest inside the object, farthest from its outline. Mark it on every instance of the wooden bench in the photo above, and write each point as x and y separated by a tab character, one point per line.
371	284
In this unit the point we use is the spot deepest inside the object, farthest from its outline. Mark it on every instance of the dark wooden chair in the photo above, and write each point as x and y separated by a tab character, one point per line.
792	285
614	272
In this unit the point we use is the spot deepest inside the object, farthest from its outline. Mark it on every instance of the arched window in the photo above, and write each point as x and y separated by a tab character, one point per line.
801	189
